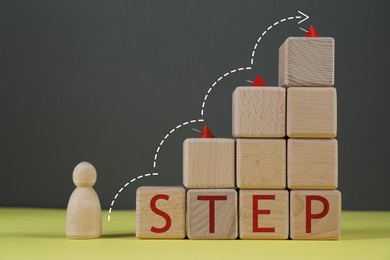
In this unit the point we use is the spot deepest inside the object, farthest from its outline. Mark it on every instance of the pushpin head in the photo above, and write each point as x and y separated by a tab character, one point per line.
258	82
206	133
311	32
84	175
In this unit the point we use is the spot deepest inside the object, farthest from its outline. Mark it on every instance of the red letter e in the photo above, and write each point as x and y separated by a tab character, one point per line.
256	211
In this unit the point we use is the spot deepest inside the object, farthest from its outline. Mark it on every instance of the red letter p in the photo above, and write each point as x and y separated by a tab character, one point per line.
310	215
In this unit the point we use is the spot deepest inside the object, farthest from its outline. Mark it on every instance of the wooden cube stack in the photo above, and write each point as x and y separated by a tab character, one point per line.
259	116
209	175
306	69
278	178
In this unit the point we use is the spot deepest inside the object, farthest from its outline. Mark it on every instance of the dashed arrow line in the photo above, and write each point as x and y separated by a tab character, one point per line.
305	17
215	83
168	134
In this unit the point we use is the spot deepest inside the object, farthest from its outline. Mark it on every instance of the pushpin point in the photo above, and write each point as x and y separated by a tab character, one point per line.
312	32
206	133
258	82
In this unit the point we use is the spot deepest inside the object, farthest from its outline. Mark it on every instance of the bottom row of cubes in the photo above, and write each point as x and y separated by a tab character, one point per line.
173	212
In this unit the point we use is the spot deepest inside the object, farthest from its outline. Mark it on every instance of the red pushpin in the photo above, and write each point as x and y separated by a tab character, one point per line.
206	133
311	32
259	82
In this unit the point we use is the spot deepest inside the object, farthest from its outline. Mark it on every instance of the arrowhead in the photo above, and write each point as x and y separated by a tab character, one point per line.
206	133
312	32
305	15
258	82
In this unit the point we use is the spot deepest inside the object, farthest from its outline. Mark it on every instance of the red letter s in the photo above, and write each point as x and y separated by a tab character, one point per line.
168	221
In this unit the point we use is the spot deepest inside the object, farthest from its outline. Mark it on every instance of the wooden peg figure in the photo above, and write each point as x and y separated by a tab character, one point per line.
84	214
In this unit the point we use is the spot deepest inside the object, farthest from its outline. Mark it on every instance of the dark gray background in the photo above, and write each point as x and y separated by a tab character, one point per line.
104	81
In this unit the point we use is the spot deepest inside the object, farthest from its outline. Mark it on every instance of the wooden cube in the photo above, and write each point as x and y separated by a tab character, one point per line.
160	212
312	164
209	163
259	112
315	214
263	214
306	61
311	112
212	214
261	163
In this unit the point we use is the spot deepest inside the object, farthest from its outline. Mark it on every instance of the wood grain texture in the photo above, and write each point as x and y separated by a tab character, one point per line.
311	112
225	214
253	201
326	227
83	213
174	205
306	62
259	112
209	163
261	163
312	163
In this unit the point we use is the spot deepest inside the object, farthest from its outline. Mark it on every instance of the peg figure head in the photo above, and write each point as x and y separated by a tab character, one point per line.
84	175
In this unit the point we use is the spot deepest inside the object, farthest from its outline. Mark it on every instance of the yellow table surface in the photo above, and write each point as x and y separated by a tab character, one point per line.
39	234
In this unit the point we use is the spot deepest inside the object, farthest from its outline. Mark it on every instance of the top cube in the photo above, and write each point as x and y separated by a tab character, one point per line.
306	62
